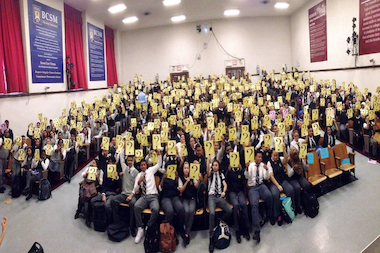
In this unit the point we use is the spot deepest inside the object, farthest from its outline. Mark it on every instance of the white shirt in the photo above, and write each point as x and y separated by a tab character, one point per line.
250	174
149	178
216	176
294	143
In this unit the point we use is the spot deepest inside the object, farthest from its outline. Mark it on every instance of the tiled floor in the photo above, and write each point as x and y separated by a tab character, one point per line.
348	221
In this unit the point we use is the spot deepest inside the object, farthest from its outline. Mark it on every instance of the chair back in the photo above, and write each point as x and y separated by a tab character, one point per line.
314	168
329	161
341	150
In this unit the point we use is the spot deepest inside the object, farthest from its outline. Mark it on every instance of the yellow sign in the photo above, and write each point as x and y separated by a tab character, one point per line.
329	120
281	129
49	149
37	154
170	171
21	154
129	147
249	154
210	123
156	141
91	174
278	144
133	122
66	144
303	151
111	169
316	129
18	141
232	134
7	143
153	156
197	131
254	123
244	138
172	148
268	140
183	150
218	134
234	159
105	143
79	140
315	113
303	130
209	148
194	171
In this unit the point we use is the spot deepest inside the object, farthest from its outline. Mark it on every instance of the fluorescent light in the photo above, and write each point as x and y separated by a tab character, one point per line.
171	2
117	8
231	12
281	5
178	18
130	19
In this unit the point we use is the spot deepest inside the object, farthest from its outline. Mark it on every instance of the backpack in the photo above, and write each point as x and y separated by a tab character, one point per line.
100	216
152	239
284	215
16	187
222	235
44	190
310	204
168	238
243	223
200	195
287	205
117	231
36	248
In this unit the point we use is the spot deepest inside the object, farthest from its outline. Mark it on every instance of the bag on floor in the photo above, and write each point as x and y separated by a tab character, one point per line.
243	223
287	204
222	235
168	238
88	190
117	232
16	187
100	216
152	239
310	204
36	248
44	190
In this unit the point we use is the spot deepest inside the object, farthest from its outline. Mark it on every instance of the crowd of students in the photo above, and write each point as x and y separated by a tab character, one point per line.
240	139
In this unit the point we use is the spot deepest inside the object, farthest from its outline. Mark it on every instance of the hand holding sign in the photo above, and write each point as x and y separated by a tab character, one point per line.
249	154
234	159
111	169
172	148
303	151
170	171
129	147
156	141
279	142
106	143
91	175
194	170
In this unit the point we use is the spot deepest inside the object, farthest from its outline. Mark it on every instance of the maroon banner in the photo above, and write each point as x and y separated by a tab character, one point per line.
318	32
369	27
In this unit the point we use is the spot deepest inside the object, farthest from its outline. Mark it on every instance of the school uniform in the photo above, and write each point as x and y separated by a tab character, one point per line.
188	200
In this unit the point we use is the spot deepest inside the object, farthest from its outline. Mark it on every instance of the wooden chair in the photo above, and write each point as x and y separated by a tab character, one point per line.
321	141
340	154
314	175
328	165
351	132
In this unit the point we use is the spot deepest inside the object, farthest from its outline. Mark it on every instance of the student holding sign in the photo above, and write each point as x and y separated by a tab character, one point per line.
18	152
35	172
312	141
57	156
329	138
92	177
188	191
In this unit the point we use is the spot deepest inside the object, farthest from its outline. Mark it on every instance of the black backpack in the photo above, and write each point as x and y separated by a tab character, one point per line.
36	248
117	231
284	215
310	204
100	217
16	187
152	239
222	235
44	191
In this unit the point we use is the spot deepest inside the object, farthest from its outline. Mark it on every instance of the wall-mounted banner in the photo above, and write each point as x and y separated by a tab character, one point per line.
318	32
369	27
45	29
96	53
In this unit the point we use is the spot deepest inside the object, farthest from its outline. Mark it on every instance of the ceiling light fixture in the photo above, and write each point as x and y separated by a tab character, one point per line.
130	20
117	8
178	18
231	12
281	5
171	2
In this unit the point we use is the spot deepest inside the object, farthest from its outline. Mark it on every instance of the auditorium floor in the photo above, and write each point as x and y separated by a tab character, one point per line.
348	221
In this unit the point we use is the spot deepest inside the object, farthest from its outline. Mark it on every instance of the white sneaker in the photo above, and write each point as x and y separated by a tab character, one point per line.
140	234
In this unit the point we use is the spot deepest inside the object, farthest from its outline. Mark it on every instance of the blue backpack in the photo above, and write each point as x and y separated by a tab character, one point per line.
222	235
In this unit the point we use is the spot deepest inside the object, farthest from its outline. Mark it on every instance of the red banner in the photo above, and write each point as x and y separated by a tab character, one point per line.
318	32
369	27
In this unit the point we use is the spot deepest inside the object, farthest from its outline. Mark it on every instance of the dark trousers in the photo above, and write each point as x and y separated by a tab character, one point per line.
254	195
297	183
30	181
116	201
238	202
143	202
107	205
214	202
289	192
189	206
171	205
69	166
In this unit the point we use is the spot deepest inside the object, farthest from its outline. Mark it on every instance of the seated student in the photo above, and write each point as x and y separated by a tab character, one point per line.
329	138
35	173
256	174
129	173
235	182
296	168
111	184
26	165
312	141
257	139
16	163
170	202
188	191
83	199
4	153
217	188
149	195
57	155
70	156
297	141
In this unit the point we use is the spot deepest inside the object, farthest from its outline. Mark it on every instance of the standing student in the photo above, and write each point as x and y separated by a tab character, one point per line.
217	188
145	182
256	174
129	173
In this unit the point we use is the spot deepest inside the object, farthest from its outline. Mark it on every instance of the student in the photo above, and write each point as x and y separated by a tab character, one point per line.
26	166
329	138
57	156
235	182
312	141
297	141
145	182
188	190
81	199
4	153
16	163
9	130
35	173
358	126
70	156
217	188
256	174
129	173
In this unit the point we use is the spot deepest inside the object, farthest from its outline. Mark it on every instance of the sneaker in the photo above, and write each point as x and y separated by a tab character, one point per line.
140	234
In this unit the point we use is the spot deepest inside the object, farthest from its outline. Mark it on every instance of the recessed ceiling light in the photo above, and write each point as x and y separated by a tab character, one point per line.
231	12
130	19
178	18
281	5
171	2
117	8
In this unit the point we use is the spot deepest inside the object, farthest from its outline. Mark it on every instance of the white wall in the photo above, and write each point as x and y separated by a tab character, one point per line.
339	27
100	24
263	41
40	87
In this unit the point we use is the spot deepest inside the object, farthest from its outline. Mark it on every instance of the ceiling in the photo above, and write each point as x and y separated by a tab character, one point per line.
194	10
